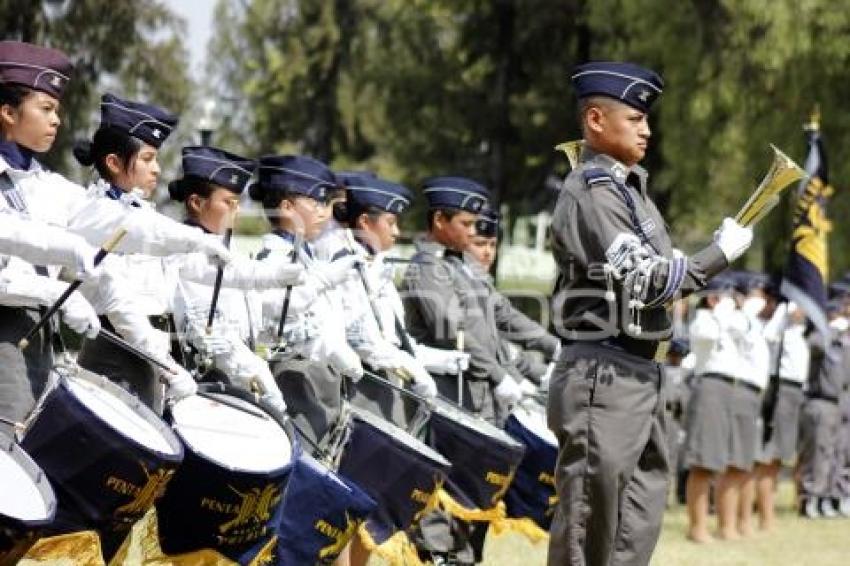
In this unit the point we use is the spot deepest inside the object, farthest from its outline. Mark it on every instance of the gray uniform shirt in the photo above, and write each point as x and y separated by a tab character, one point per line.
602	205
439	291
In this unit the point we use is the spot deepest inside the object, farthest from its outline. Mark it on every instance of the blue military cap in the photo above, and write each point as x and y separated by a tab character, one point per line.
367	192
629	83
455	192
679	346
721	282
35	67
214	166
487	224
296	174
147	122
343	178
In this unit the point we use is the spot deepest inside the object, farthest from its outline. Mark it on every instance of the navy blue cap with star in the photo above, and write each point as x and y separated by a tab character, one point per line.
296	174
214	166
36	67
374	192
147	122
455	193
487	223
629	83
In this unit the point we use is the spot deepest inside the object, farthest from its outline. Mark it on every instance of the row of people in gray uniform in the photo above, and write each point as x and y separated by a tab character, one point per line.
299	324
757	391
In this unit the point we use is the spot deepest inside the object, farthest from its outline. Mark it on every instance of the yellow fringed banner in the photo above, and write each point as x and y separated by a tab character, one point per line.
396	550
524	526
80	549
448	504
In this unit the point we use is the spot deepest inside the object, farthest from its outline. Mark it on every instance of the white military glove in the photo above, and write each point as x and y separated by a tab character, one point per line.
180	383
527	388
76	255
547	376
508	391
275	400
410	368
733	239
331	274
288	273
79	315
345	361
450	362
212	246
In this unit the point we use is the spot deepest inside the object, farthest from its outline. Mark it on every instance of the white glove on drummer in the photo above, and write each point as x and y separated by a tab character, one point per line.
527	388
212	246
345	361
329	275
179	382
410	368
508	392
733	239
448	363
79	315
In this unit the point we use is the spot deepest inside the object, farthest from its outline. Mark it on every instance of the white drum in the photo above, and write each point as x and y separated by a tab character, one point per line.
27	502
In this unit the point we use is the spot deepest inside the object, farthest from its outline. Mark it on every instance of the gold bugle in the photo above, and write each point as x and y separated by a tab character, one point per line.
782	173
572	149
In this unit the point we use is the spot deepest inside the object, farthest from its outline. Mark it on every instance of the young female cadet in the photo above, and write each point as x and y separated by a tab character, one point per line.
32	79
210	188
293	190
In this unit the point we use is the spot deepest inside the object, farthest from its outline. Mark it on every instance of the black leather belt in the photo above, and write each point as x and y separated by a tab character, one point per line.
652	350
822	397
732	381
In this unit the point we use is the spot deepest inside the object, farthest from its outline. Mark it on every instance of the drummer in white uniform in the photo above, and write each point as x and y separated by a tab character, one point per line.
32	79
212	183
311	355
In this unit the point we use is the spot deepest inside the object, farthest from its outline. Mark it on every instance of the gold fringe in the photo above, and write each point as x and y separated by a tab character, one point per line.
524	526
80	549
397	550
449	505
142	547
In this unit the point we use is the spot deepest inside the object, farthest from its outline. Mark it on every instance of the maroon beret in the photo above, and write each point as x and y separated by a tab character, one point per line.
34	66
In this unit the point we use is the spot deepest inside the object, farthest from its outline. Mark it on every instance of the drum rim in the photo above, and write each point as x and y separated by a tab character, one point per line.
38	477
439	406
545	440
358	412
219	388
123	395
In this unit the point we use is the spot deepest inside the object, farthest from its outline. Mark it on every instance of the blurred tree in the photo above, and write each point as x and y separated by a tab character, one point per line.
133	48
412	88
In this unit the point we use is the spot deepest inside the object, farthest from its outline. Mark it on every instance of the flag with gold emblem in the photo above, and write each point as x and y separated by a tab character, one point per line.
807	269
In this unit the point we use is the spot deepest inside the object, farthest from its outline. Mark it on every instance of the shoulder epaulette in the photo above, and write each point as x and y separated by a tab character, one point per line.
597	176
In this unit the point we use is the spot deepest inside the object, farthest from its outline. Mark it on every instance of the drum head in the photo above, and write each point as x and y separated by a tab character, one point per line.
535	422
237	435
25	494
121	411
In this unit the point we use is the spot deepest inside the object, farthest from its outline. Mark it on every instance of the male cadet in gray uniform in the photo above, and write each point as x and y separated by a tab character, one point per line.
604	406
440	296
518	333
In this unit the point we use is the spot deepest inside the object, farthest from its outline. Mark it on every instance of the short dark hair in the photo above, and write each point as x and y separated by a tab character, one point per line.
448	213
107	141
13	94
181	189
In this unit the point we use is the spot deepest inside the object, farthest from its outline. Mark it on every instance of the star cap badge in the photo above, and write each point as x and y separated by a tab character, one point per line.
644	95
157	133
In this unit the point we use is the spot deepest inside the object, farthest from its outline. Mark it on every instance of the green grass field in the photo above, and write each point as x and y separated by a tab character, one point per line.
795	542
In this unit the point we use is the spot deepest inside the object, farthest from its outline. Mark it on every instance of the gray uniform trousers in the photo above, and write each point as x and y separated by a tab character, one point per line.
841	462
606	408
819	421
312	394
23	374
